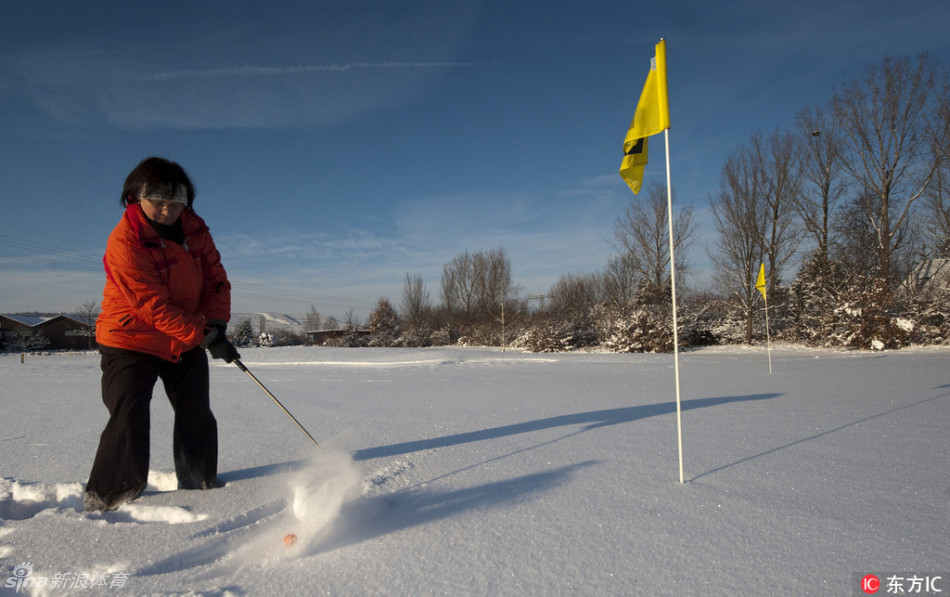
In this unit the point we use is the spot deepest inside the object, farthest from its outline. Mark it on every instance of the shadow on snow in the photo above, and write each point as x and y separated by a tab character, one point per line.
592	420
413	507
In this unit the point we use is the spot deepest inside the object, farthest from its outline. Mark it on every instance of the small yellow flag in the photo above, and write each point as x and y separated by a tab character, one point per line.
760	281
651	117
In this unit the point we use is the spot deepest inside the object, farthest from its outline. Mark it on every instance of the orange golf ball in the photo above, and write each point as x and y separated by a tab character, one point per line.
290	539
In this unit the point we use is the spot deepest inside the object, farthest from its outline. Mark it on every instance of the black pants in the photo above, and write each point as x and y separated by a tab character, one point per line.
120	470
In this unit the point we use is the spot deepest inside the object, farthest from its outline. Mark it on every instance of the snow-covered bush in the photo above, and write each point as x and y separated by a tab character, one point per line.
27	341
555	336
814	318
637	328
867	318
927	314
644	330
542	337
415	337
700	317
441	336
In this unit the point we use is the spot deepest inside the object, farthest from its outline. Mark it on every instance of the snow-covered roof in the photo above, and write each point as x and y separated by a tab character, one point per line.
35	319
30	320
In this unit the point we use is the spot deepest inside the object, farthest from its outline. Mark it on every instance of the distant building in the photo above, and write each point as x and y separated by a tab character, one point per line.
12	328
61	332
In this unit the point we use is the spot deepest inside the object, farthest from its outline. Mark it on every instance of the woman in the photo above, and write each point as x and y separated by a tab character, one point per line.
166	299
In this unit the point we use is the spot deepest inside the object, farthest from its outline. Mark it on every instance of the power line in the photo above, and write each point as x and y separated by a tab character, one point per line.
38	250
35	250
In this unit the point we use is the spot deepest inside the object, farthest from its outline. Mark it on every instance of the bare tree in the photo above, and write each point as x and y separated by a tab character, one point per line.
820	170
493	281
755	217
936	220
88	313
890	122
936	201
332	323
775	159
351	320
573	298
641	236
416	305
458	288
313	319
817	199
740	216
856	242
619	282
476	288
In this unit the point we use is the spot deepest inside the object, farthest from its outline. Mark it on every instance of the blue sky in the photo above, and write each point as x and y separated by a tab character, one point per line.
338	146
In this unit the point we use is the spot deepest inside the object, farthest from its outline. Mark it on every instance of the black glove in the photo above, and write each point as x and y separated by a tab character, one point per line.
216	341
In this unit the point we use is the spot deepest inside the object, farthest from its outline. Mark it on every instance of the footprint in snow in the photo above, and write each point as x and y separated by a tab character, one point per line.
21	500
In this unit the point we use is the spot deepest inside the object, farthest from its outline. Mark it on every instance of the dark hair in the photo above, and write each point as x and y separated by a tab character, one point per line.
158	178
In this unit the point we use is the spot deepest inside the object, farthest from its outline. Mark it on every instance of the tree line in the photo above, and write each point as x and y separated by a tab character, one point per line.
841	207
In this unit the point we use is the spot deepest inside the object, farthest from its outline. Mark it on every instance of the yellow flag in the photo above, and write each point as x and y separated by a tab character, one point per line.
634	161
651	117
760	281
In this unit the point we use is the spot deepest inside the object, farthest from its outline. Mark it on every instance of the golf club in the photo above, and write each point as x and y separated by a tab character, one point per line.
277	402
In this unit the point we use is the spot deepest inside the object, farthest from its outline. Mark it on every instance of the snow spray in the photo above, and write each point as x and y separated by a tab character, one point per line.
319	492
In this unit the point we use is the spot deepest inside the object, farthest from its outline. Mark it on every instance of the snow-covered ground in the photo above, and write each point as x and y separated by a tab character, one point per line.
476	472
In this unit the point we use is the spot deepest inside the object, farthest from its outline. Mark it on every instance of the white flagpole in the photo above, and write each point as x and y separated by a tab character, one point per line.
768	339
676	346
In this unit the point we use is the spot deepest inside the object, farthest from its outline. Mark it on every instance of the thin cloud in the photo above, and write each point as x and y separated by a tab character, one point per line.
88	88
229	97
289	248
277	71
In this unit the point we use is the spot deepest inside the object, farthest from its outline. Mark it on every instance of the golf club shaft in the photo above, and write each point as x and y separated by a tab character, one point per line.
277	402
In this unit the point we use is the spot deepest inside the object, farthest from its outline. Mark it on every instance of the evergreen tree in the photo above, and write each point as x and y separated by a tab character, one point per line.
242	335
383	324
816	295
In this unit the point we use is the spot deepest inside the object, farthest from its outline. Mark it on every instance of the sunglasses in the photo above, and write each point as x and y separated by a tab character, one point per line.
165	205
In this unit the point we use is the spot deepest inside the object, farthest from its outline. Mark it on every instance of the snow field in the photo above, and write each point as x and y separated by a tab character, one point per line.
476	472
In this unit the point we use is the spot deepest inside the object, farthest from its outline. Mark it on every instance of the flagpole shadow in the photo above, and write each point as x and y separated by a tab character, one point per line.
818	436
592	420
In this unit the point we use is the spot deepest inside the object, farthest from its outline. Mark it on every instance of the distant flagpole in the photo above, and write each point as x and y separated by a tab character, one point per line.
760	285
652	116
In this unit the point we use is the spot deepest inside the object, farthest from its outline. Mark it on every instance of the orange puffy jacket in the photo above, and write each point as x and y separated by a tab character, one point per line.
159	295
